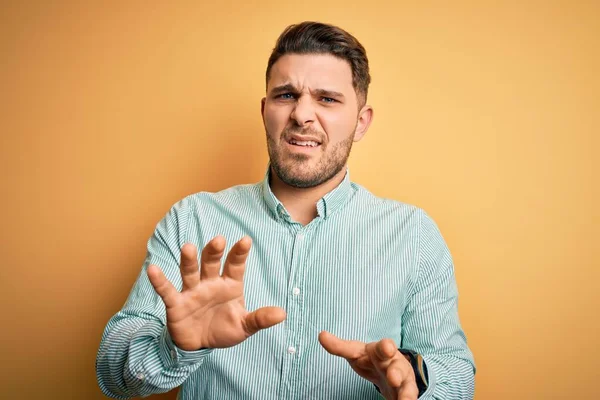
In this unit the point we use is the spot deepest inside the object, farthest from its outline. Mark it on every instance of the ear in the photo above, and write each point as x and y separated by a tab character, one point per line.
262	109
365	116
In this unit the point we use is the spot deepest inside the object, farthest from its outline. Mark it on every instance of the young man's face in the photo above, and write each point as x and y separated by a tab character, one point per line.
311	117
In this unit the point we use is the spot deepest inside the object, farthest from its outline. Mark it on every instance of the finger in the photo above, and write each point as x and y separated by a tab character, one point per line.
263	318
188	266
385	349
162	286
364	363
409	391
394	374
368	373
349	349
210	260
236	259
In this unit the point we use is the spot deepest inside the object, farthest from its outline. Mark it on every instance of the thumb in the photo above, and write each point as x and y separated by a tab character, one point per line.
263	318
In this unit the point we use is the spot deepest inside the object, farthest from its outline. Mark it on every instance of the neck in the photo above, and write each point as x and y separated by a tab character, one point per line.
301	203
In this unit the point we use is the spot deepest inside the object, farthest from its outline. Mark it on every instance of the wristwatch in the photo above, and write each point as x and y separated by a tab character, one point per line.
418	365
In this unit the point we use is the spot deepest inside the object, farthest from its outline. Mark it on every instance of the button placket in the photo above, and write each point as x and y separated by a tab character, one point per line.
298	262
290	363
296	296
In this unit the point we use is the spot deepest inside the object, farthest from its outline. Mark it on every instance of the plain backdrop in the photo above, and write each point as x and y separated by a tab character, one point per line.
486	116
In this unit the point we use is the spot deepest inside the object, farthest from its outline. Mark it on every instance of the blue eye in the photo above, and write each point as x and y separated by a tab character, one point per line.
286	96
328	100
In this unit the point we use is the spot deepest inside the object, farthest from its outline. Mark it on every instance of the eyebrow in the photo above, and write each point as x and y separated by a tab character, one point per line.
328	93
288	87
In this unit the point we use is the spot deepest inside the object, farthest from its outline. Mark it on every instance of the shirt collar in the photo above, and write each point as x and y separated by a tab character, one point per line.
326	206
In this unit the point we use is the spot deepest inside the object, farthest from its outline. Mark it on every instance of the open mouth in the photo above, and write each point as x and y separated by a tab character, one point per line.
304	143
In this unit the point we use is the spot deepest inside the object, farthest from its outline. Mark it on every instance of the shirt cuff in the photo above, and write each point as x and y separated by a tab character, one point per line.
428	394
172	356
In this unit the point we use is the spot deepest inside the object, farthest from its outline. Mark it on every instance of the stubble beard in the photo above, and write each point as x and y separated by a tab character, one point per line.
294	170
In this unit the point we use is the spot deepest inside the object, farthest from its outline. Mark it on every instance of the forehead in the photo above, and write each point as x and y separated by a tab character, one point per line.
313	71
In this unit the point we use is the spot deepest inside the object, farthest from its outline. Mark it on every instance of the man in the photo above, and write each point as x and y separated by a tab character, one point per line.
328	291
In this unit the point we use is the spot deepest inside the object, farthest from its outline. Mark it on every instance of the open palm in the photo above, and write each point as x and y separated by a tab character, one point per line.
210	312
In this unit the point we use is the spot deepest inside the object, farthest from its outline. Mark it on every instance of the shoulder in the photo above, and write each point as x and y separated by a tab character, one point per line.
208	209
238	195
396	215
385	207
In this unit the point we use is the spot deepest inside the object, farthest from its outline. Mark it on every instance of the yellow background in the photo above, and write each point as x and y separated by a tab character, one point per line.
486	116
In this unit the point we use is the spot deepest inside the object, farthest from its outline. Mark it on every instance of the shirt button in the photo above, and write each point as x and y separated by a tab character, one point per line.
291	350
296	291
300	236
173	354
141	376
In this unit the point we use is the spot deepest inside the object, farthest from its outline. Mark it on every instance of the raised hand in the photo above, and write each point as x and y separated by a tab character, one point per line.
210	311
379	362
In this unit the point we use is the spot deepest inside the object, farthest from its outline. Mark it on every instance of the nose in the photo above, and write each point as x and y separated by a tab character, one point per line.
304	112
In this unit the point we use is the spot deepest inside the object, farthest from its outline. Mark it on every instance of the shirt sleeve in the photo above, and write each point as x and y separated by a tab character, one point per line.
430	324
137	357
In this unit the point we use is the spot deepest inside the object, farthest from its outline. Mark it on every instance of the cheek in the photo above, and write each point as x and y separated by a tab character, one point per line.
275	119
338	125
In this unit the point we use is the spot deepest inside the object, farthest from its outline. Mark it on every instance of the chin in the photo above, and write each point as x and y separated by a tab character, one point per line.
310	178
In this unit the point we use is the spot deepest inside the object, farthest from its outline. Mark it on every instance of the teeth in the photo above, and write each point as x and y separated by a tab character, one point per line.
304	143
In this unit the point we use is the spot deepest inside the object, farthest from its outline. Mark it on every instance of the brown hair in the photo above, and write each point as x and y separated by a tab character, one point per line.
319	38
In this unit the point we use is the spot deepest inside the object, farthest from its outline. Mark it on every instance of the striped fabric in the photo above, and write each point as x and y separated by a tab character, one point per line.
366	268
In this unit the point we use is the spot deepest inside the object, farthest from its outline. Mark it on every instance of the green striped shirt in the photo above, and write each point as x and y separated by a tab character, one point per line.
365	268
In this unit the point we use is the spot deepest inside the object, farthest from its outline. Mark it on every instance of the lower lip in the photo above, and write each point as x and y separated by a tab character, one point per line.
303	149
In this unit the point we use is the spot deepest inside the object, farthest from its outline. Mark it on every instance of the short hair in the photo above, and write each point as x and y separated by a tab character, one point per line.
319	38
